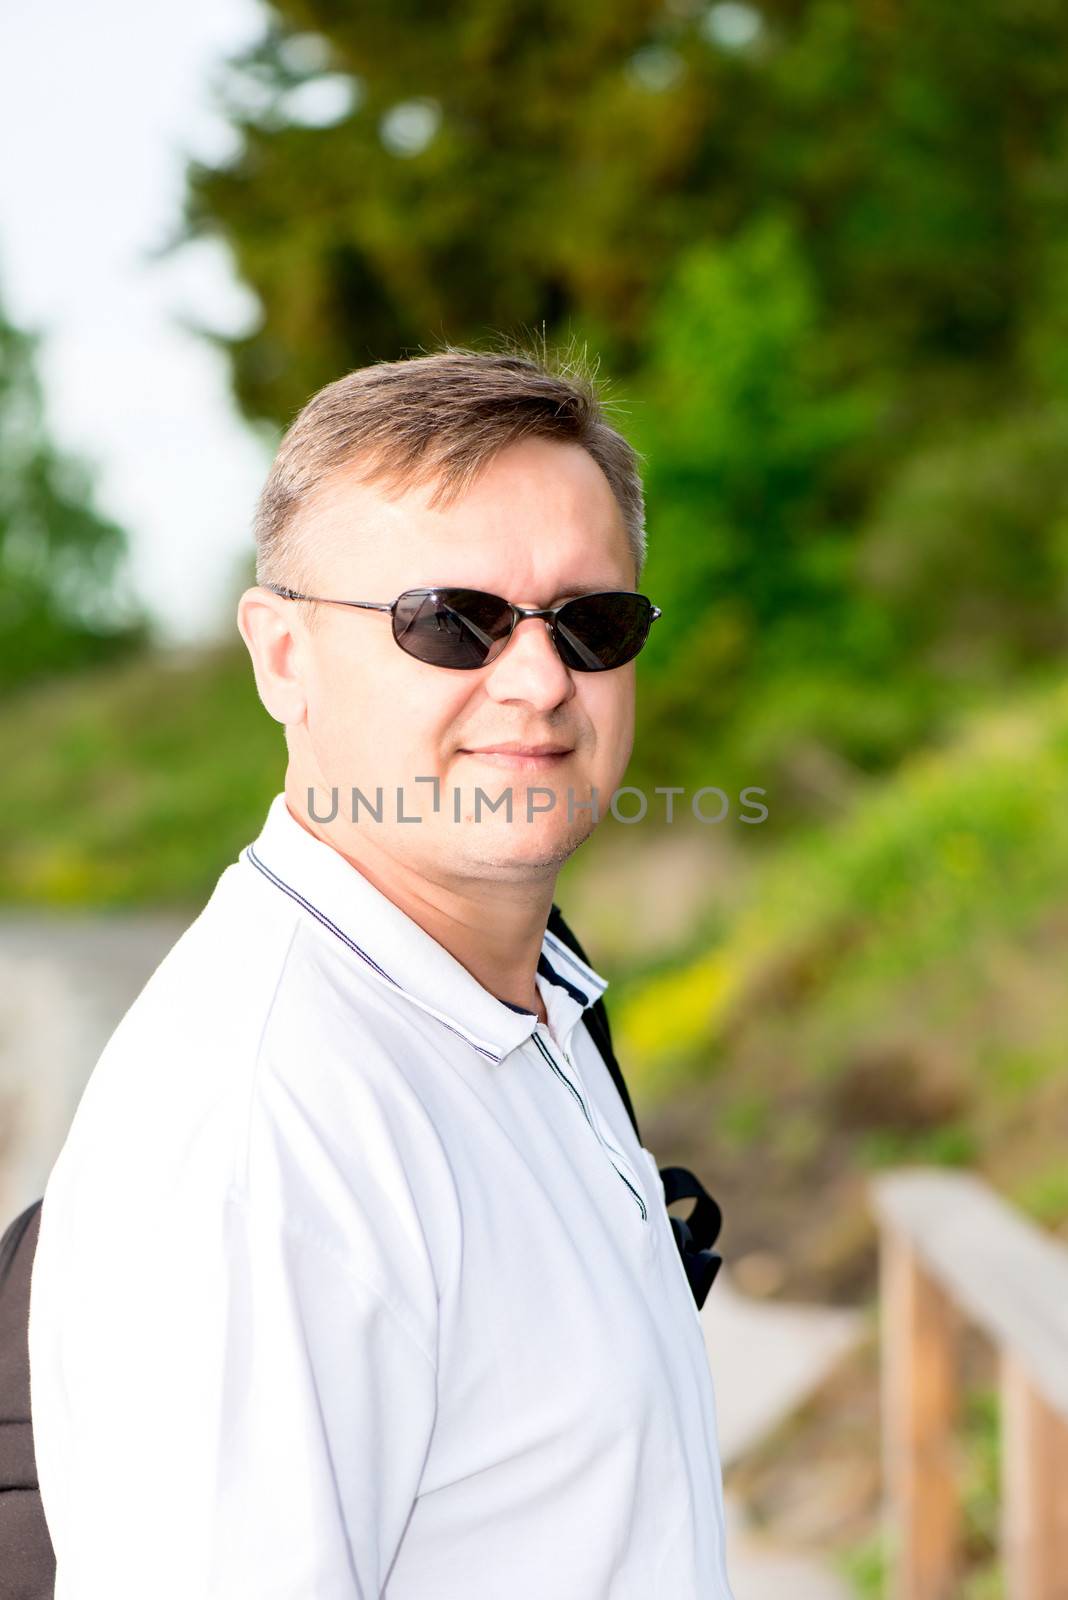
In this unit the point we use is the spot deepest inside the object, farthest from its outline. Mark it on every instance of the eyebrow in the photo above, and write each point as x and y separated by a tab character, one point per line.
577	590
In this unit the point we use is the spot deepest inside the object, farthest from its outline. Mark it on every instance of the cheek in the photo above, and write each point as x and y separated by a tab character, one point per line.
343	706
377	718
609	709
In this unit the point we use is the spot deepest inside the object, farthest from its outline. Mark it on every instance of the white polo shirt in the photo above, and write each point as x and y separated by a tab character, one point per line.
354	1281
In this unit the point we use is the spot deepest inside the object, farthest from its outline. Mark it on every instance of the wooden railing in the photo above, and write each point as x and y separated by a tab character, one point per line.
952	1251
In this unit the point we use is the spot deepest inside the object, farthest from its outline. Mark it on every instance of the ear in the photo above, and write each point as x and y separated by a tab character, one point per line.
268	624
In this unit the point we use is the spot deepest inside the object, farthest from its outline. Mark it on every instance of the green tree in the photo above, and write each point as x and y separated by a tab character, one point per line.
61	605
519	162
752	445
495	167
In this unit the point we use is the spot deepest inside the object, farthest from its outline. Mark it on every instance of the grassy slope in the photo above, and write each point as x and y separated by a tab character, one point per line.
136	784
889	989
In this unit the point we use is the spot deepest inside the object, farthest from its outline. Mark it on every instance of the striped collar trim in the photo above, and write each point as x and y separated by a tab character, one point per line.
396	952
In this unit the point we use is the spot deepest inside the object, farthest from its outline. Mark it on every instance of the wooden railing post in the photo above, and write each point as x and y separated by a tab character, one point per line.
919	1331
953	1251
1034	1489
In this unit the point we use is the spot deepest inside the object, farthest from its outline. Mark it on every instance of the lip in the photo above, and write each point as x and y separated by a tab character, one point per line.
521	755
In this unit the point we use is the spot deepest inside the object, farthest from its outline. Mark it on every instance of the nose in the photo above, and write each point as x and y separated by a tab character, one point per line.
529	668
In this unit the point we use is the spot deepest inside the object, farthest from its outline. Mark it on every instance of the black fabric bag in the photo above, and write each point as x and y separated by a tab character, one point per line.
27	1560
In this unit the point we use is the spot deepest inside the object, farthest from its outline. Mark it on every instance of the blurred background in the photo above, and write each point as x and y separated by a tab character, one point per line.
819	249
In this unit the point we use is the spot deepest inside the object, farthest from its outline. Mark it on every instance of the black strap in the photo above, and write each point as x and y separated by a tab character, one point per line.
595	1016
700	1230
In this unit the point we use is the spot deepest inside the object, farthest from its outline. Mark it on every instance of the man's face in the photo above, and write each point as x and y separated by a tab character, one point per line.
539	525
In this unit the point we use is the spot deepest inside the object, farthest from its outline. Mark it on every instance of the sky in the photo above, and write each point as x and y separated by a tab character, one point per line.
101	104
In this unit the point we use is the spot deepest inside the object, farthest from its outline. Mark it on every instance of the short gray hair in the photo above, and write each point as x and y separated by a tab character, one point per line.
440	416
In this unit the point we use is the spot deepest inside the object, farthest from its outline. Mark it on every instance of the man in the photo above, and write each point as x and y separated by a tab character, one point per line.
353	1279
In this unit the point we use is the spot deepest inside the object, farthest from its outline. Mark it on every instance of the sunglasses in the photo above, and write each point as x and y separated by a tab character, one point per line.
467	628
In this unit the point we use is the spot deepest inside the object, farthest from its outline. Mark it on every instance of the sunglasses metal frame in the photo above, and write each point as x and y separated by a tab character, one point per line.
519	613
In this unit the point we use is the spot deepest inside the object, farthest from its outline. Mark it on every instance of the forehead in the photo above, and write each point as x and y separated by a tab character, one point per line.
539	513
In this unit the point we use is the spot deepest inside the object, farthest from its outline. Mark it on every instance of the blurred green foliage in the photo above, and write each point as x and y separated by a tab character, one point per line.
520	161
964	843
749	440
61	603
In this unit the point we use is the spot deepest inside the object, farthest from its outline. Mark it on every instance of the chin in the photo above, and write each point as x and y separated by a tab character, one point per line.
520	849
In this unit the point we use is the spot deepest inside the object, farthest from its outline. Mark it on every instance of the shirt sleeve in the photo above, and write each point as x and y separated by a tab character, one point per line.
242	1418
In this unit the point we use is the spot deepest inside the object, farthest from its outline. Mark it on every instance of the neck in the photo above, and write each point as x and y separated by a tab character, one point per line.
493	927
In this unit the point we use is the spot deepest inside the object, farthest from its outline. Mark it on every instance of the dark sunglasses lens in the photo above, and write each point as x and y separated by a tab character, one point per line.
601	631
451	627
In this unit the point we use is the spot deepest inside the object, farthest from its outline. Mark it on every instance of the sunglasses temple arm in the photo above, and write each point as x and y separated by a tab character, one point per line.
322	600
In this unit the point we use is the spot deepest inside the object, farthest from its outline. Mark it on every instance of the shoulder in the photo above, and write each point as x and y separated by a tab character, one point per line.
255	1075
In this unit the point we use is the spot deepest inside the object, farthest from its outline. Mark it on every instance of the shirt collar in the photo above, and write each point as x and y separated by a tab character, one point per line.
397	952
